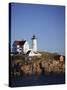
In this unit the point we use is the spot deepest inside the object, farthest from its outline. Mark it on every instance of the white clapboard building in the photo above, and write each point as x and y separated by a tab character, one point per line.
20	46
23	47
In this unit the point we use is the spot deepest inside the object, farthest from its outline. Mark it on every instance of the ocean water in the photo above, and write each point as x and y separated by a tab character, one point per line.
37	80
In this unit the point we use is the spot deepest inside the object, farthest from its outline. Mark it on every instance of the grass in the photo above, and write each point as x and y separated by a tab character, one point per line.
45	56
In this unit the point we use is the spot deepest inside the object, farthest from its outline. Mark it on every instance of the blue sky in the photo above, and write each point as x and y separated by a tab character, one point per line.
45	21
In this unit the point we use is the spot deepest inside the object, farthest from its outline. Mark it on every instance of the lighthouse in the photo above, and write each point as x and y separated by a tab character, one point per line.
34	43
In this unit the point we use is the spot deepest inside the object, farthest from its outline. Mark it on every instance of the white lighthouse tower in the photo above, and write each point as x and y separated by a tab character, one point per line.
34	43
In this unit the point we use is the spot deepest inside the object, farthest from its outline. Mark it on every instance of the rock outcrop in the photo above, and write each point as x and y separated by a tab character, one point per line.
37	67
43	67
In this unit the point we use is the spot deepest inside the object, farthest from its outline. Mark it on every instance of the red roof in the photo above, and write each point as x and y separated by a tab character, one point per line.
19	42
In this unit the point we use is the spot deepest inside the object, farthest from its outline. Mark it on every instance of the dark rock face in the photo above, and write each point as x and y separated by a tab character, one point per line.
53	66
26	69
30	69
46	64
38	67
43	66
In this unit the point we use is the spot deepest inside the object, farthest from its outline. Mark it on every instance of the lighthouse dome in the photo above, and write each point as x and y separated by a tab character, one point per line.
34	37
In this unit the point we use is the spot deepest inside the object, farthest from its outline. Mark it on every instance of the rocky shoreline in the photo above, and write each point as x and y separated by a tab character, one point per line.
37	67
43	67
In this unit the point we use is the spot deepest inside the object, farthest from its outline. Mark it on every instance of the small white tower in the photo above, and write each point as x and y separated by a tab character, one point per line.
34	43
